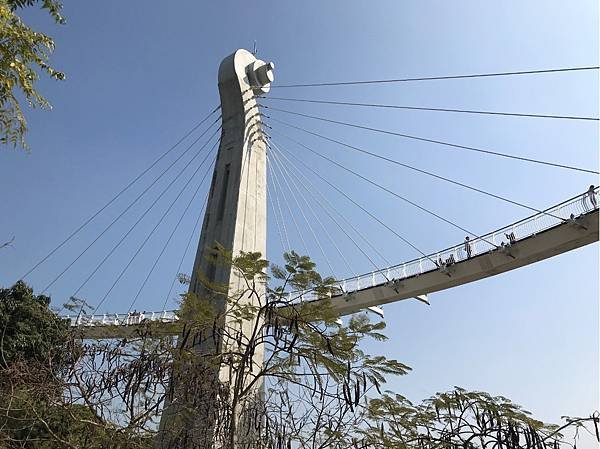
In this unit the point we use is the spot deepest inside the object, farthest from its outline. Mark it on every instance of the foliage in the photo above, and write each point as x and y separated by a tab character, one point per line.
264	341
29	331
458	418
24	53
51	386
38	356
53	6
254	366
314	386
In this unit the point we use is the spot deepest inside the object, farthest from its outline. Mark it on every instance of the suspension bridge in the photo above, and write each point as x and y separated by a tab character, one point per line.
243	147
567	226
296	187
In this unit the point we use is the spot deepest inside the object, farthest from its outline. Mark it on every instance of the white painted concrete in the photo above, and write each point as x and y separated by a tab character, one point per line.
235	218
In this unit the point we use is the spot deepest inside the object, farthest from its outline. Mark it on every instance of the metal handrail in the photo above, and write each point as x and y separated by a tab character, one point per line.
123	319
502	237
527	227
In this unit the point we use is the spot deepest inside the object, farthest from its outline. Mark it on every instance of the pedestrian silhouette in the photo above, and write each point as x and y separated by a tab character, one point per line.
468	246
592	196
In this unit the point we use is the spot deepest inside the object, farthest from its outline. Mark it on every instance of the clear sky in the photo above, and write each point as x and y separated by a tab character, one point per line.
140	74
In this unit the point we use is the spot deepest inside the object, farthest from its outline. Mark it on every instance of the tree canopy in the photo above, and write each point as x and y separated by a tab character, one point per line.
24	55
30	332
314	387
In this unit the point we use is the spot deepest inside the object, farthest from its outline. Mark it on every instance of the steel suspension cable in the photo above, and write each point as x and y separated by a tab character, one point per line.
276	162
425	172
130	230
349	198
279	233
113	199
437	142
419	108
270	170
334	209
187	247
164	215
294	170
162	251
446	77
391	192
292	178
275	177
130	205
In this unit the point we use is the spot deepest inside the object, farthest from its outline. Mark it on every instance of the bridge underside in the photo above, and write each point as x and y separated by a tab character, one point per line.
558	239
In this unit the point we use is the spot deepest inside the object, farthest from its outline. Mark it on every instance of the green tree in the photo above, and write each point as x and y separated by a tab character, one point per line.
312	376
316	388
24	53
458	418
33	357
40	376
29	331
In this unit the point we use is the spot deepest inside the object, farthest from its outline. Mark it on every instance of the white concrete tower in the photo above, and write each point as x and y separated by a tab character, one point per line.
236	211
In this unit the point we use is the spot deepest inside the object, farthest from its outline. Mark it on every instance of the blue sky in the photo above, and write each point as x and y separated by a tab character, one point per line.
140	74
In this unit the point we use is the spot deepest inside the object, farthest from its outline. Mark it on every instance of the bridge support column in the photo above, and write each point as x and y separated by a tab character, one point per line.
236	219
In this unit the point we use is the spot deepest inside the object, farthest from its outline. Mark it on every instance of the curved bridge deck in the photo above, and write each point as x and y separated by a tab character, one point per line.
564	227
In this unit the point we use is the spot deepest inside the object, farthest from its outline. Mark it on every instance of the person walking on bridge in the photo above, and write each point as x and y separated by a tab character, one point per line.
468	247
592	196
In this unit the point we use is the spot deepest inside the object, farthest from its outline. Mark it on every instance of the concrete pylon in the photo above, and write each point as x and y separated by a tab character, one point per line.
235	218
236	211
